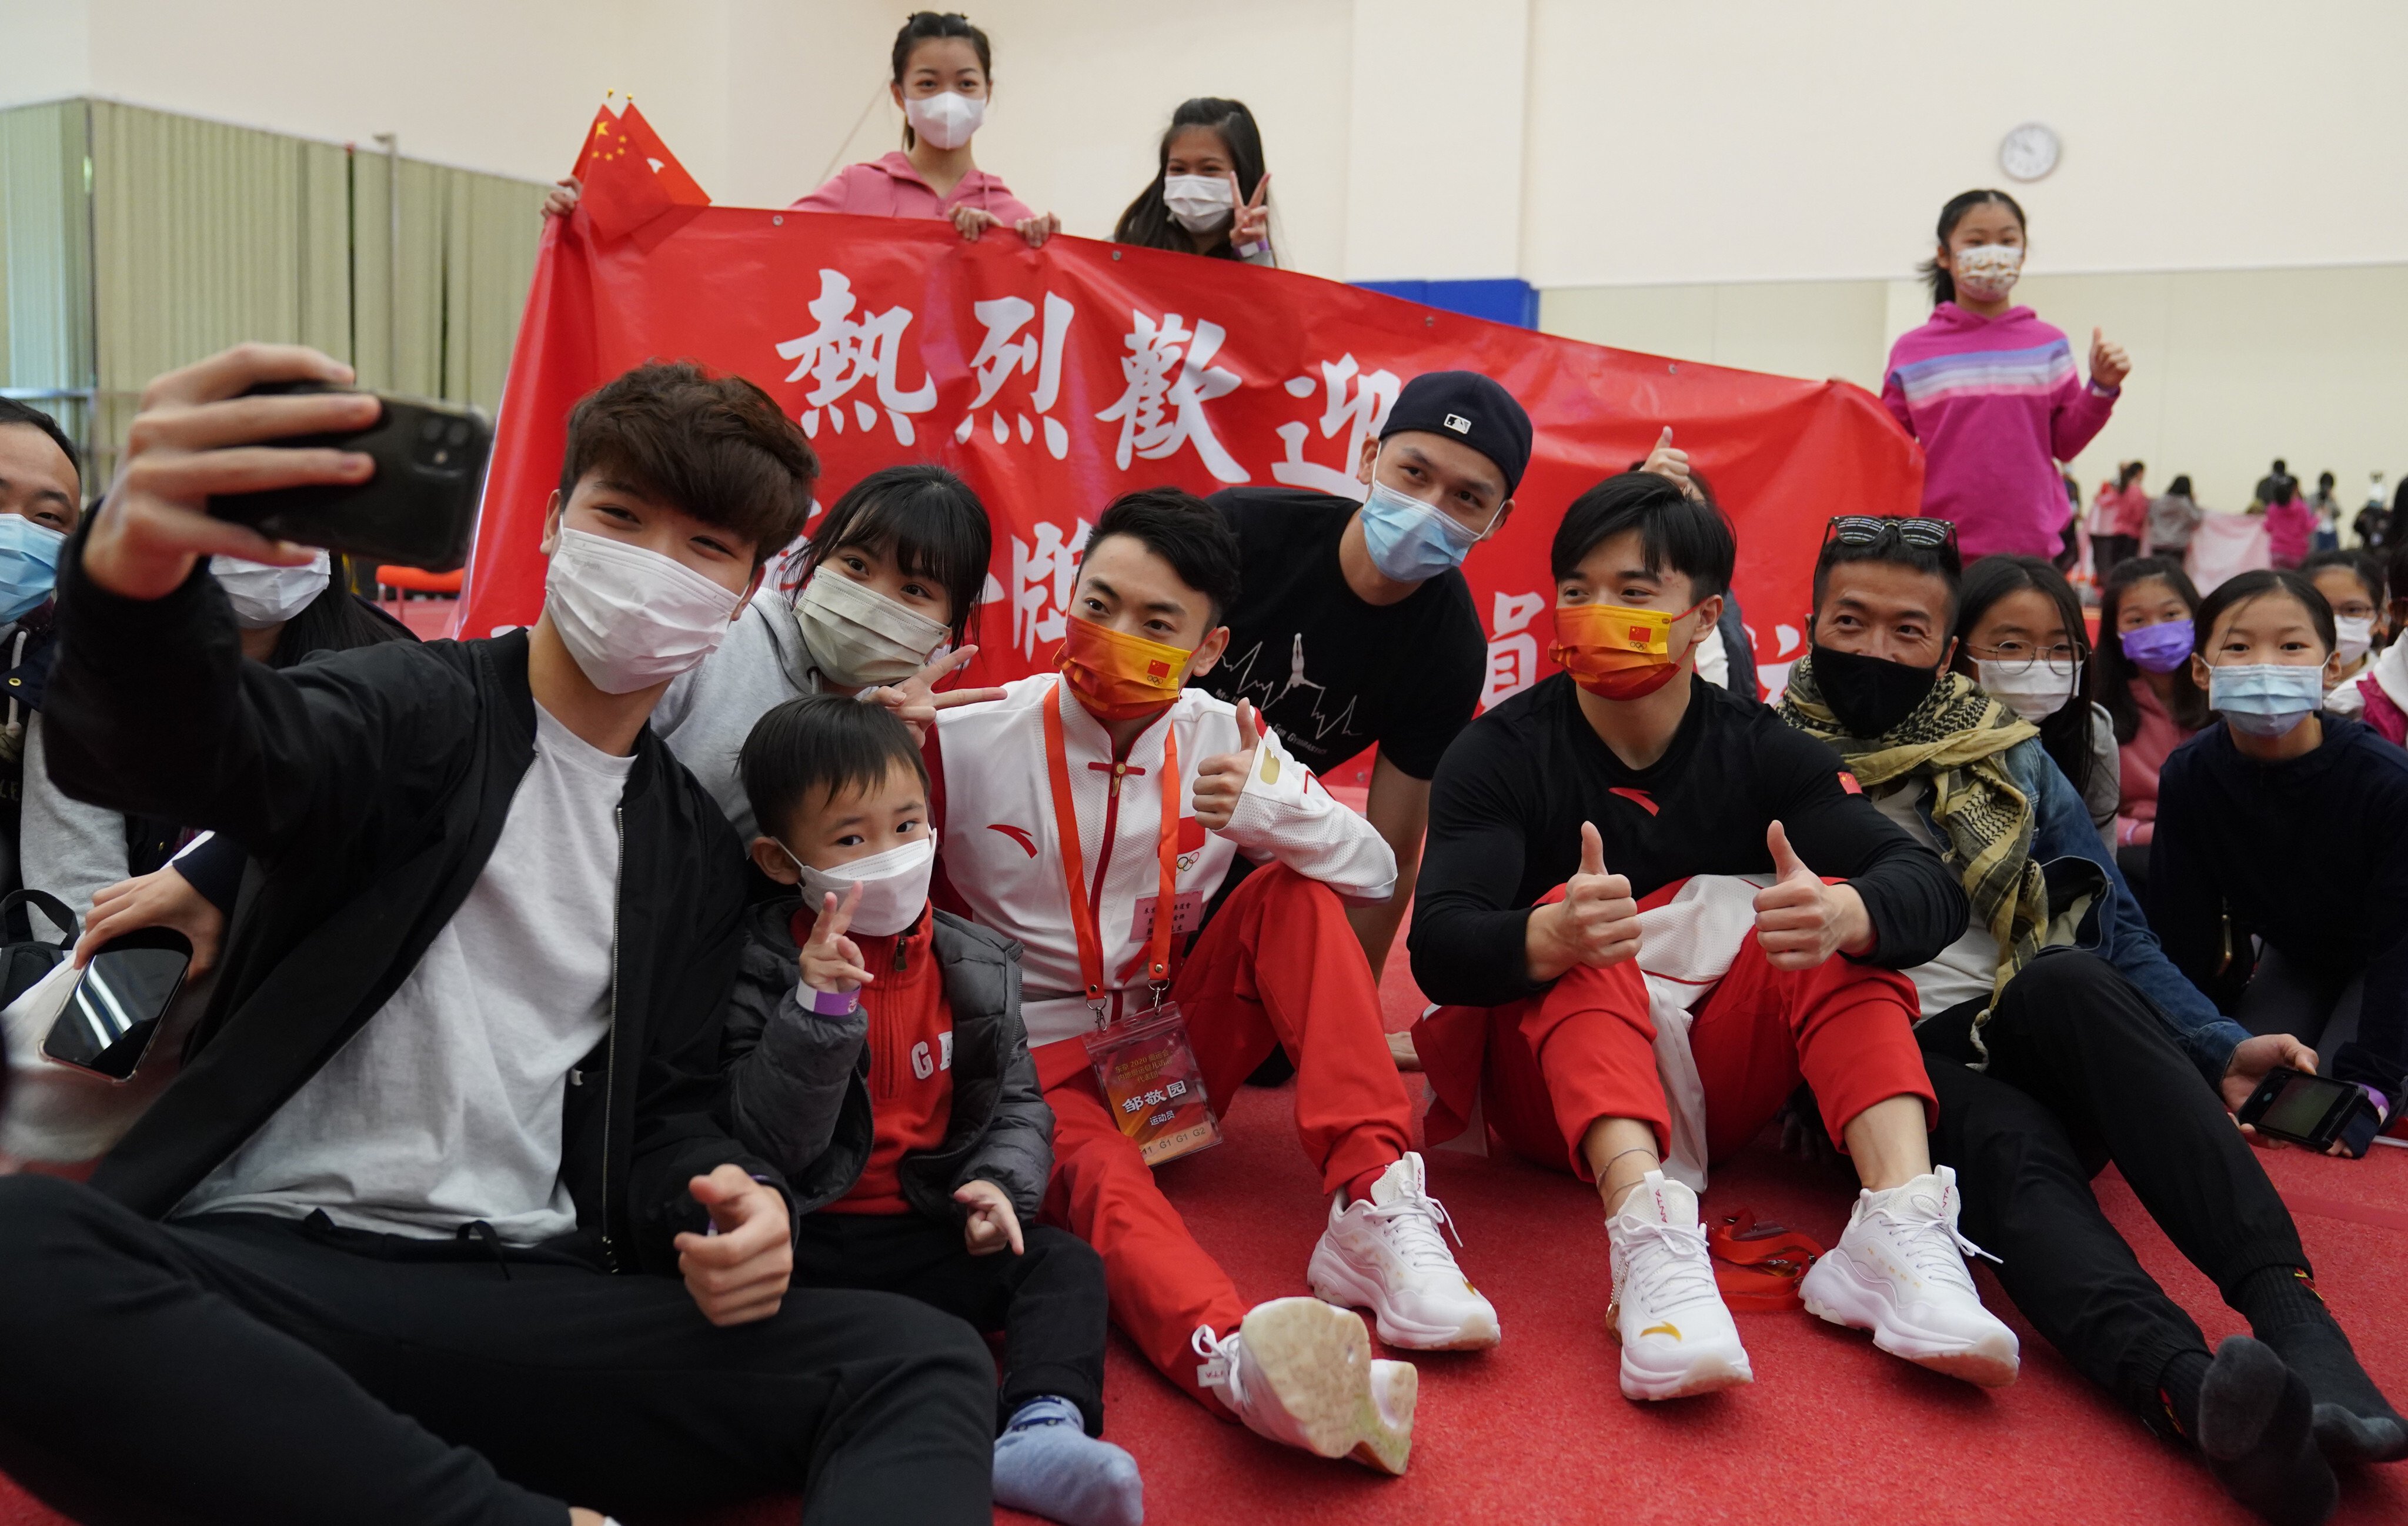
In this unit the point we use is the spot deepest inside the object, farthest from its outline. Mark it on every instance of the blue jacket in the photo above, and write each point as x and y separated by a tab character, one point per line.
2068	848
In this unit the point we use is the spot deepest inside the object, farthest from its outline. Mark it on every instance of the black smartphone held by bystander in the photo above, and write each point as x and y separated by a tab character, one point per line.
118	1002
419	509
2312	1110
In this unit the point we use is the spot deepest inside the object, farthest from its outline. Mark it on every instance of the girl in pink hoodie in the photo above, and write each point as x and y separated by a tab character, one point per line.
1991	390
942	83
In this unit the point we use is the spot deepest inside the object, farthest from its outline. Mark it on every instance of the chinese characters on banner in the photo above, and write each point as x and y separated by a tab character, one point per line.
1055	380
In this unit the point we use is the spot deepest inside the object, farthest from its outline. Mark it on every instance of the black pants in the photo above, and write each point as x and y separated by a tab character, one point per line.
243	1369
2106	551
2084	1072
1048	1301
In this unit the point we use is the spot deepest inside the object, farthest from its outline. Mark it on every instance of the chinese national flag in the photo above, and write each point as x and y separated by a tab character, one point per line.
629	175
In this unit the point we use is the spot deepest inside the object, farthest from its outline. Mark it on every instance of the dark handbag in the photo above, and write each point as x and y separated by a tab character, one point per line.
23	963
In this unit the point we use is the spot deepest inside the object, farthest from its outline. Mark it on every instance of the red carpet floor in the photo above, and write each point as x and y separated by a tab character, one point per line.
1832	1431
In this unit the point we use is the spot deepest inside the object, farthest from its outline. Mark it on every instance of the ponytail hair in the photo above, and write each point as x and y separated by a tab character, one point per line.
1943	286
929	26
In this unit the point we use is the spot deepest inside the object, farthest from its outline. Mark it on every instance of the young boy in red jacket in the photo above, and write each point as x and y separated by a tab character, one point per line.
893	1087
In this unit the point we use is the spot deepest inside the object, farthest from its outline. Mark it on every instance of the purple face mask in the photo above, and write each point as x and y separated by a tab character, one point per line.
2160	648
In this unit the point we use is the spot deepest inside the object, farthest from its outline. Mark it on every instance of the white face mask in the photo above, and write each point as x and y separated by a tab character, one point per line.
264	595
1198	203
894	884
1988	272
861	637
946	121
2355	636
2033	690
632	618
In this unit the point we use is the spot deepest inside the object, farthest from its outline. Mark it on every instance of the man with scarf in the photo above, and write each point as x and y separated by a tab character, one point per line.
1632	999
2058	1037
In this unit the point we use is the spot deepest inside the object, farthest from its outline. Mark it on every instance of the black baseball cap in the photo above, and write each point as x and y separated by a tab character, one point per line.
1468	407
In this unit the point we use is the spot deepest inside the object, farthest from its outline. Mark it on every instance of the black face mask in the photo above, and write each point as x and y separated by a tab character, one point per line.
1869	695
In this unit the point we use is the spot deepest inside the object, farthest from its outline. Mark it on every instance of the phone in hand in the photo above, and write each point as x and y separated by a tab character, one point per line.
114	1011
2310	1110
419	509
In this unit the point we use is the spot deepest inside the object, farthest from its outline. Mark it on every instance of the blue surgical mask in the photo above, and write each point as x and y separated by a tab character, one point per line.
1411	540
2266	698
29	565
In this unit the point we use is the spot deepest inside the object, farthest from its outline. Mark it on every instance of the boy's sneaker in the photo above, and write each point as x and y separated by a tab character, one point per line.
1387	1254
1899	1272
1299	1372
1677	1337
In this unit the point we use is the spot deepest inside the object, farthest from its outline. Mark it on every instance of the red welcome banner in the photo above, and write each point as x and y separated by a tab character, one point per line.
1052	380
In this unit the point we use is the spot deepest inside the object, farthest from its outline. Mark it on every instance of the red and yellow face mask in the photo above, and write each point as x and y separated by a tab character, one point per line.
1616	652
1117	676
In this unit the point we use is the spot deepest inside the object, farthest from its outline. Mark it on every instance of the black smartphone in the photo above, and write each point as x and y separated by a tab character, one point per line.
117	1001
419	509
2311	1110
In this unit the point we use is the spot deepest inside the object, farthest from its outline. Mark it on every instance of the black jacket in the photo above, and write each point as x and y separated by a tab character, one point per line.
798	1083
372	785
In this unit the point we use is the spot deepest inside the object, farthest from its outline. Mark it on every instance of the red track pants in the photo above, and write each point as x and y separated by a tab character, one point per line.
1278	964
1555	1063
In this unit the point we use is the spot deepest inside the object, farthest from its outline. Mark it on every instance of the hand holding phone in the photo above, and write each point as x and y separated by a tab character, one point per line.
116	1008
197	436
419	507
2312	1110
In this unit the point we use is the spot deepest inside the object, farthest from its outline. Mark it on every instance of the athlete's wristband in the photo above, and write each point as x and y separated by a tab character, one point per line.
832	1004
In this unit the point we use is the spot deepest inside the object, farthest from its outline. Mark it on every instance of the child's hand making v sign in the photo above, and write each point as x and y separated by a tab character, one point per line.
832	961
992	1225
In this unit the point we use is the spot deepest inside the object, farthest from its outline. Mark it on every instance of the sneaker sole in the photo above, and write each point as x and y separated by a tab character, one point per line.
1709	1371
1842	1298
1317	1360
1333	1281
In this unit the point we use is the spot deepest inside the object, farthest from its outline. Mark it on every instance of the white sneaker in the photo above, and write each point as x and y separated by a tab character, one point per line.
1899	1272
1387	1254
1300	1372
1677	1337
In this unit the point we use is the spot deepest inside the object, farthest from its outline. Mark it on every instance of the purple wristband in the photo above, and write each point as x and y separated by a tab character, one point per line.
834	1003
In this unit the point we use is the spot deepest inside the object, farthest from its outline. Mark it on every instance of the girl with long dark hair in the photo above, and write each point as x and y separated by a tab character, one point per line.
2020	636
2142	679
1210	193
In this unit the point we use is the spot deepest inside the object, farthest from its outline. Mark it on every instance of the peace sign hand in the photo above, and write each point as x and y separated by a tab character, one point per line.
916	701
831	961
1253	224
1218	781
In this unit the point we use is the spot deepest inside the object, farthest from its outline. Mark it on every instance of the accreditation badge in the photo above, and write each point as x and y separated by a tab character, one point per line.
1151	1083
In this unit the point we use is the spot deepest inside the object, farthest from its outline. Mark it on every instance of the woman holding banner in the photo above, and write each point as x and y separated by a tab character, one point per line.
942	84
1208	196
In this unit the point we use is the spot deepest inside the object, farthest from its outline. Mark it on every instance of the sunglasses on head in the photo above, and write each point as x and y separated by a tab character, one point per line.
1868	529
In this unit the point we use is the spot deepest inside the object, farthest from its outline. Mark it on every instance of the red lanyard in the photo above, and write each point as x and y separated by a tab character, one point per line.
1074	872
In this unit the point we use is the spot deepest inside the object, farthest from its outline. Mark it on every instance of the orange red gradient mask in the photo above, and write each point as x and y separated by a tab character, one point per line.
1616	652
1117	676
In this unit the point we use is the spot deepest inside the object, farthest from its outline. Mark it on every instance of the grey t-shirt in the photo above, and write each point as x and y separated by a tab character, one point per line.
446	1105
707	711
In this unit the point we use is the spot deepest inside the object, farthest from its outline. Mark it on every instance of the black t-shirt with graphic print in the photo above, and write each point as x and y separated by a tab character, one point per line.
1331	673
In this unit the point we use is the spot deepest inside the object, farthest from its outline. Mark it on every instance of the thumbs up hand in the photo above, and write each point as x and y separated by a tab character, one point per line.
1595	924
2109	363
1220	780
1668	461
1801	921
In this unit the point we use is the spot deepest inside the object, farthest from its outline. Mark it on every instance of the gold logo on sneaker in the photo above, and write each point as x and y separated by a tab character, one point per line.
1667	1328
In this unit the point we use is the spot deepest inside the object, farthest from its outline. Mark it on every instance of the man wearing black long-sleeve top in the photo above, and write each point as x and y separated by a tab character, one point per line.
1581	901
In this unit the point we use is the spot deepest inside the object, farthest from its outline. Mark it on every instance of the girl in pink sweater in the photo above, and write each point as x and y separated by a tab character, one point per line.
1991	390
942	83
